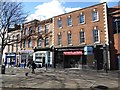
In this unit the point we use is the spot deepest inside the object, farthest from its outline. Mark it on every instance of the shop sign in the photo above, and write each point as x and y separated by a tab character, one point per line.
73	53
10	54
26	51
88	50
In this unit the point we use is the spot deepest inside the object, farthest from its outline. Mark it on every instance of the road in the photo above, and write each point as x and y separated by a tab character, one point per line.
58	79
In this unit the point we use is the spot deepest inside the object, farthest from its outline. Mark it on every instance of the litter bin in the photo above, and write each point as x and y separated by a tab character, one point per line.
3	69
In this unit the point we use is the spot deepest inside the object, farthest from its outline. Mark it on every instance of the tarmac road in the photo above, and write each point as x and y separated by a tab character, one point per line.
58	79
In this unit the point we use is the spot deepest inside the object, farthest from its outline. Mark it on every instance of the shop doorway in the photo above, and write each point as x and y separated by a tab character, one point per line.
71	61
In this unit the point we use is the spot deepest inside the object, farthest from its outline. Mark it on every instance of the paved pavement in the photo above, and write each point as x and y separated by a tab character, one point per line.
58	79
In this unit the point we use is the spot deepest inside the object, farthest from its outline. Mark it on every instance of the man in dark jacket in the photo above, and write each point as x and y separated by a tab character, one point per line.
33	67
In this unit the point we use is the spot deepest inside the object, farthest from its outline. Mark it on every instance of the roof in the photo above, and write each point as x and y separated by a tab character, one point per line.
35	20
16	27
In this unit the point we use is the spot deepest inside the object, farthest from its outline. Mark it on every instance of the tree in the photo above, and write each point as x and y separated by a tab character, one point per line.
11	13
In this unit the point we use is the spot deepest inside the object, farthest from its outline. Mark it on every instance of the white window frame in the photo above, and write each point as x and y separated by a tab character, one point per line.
38	42
59	39
69	18
48	25
97	15
69	38
83	37
97	36
26	31
59	23
83	18
39	28
46	40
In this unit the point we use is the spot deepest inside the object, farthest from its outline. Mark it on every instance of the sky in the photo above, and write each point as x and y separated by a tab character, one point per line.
44	9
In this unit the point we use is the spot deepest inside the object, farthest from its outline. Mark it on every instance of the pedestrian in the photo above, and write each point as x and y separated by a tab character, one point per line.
33	66
105	68
46	66
29	64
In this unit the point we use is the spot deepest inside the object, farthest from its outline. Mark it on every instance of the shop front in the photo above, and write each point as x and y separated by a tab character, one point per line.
43	56
89	57
10	59
69	57
26	56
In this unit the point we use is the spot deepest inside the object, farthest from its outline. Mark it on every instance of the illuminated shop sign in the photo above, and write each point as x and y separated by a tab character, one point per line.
73	53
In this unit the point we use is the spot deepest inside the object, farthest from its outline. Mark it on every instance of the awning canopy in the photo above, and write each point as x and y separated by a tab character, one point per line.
73	53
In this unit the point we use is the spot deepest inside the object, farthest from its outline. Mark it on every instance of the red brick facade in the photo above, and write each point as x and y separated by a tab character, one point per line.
63	38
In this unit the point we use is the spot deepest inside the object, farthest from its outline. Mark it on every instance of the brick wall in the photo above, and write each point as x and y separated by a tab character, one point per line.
76	26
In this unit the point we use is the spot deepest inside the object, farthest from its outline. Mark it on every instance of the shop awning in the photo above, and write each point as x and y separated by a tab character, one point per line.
73	53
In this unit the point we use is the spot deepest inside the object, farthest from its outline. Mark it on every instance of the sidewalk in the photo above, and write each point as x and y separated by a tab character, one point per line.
59	79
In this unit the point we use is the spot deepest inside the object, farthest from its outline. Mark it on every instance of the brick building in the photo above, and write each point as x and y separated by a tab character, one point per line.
114	28
85	37
36	42
82	37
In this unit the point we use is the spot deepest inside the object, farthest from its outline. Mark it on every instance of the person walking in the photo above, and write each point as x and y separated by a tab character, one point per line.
33	66
46	66
105	68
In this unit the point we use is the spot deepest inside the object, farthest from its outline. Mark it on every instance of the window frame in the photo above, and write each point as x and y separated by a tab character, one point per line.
95	15
39	42
30	30
24	43
39	28
82	37
69	21
46	41
59	23
82	16
30	43
46	28
26	31
69	38
96	35
59	39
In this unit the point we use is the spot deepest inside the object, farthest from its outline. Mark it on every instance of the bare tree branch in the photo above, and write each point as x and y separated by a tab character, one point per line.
11	13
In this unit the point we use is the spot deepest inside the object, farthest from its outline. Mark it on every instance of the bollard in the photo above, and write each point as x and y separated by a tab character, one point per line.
26	74
3	69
